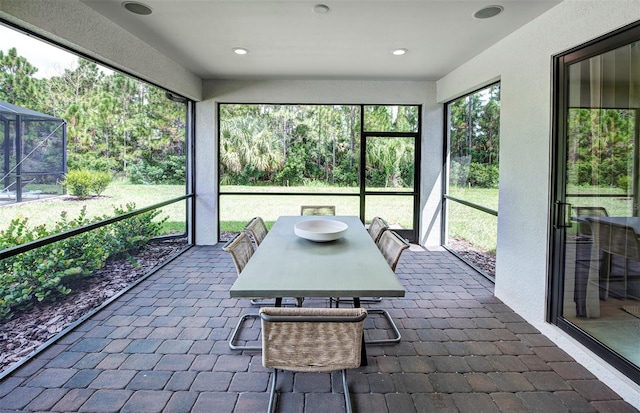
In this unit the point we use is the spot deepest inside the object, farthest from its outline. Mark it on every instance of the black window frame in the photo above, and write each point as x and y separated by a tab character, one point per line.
413	234
445	183
555	272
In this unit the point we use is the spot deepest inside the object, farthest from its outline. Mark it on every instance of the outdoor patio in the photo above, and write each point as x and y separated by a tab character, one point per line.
162	347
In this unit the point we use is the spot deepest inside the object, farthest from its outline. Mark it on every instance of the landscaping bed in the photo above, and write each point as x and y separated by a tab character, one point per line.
29	329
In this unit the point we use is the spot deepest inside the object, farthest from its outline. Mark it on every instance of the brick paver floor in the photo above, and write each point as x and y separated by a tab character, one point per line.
162	347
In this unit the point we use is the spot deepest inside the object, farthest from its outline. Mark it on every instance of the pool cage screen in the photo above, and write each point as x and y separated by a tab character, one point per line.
34	153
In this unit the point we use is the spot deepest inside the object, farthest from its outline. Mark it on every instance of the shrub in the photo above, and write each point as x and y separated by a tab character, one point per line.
40	274
171	171
92	162
483	175
459	171
101	181
84	183
132	233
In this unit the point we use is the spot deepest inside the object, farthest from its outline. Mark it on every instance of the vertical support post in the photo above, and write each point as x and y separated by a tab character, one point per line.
64	154
19	158
636	163
7	152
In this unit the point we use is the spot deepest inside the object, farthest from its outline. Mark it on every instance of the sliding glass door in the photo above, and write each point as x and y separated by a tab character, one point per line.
596	271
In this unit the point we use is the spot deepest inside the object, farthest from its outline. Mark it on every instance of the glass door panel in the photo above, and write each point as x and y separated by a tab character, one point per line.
390	181
398	210
600	290
390	164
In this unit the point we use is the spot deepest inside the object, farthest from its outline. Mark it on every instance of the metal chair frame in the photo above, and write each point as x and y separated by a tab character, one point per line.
241	249
394	246
375	230
391	245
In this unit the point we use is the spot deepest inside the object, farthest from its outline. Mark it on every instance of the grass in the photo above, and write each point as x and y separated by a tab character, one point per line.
47	211
237	210
617	206
472	225
466	223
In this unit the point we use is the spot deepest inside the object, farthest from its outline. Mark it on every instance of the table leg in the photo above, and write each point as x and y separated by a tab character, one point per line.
363	348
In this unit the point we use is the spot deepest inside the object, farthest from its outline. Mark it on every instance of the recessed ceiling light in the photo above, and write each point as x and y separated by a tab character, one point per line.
399	52
240	50
321	9
137	7
488	12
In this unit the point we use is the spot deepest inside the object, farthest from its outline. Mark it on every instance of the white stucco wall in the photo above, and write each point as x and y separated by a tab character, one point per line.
322	92
522	62
79	27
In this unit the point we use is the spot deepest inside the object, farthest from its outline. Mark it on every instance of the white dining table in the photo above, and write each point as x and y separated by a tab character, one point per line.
286	265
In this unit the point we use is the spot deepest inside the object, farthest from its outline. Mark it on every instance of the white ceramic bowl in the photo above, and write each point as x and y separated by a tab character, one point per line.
320	230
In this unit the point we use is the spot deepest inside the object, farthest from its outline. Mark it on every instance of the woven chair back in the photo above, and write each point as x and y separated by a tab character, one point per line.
317	210
257	229
312	339
617	239
391	246
241	249
376	228
584	229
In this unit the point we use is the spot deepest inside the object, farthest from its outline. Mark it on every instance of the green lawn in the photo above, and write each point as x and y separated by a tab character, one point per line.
469	224
237	210
464	222
47	211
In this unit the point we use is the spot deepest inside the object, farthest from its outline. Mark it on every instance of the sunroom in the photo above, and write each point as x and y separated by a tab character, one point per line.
560	66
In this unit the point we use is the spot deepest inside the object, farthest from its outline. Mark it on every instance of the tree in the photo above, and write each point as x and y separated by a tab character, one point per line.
17	84
249	150
474	138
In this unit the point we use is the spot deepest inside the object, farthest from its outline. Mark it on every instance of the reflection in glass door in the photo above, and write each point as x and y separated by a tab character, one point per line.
597	231
391	181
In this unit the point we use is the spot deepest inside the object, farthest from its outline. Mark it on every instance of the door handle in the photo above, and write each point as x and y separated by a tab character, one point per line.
563	215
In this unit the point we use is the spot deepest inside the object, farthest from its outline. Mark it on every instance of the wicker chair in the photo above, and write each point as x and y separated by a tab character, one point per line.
257	229
311	340
391	245
317	210
376	228
241	250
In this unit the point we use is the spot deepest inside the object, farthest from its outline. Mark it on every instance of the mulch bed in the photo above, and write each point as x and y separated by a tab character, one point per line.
483	260
31	328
